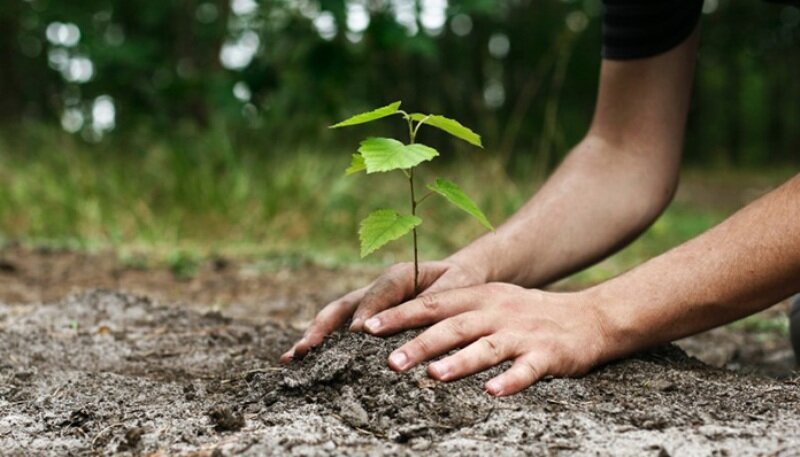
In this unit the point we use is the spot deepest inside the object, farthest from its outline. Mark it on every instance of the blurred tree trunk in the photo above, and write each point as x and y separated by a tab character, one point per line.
776	130
11	87
188	58
791	147
734	100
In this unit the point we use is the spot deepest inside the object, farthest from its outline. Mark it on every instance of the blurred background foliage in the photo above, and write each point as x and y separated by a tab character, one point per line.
521	72
125	122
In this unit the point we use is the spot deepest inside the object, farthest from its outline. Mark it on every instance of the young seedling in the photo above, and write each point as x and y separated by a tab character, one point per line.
379	155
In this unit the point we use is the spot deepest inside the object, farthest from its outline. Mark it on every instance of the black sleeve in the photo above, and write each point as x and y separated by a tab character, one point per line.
636	29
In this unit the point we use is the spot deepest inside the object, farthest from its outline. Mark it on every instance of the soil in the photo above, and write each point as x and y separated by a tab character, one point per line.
286	290
187	365
292	292
104	372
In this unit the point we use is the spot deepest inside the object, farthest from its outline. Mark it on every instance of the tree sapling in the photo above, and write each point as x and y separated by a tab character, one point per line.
377	155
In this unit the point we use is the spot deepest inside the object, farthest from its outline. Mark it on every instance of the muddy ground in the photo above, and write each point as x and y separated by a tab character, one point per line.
187	365
106	372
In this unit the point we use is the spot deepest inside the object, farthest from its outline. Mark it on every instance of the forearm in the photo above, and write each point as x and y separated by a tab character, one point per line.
744	265
610	187
599	199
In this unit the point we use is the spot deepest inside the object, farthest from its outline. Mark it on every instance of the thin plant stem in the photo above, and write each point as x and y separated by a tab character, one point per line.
414	232
412	136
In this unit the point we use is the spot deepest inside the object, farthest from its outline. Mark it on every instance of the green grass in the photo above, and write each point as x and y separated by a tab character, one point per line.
191	197
679	223
760	323
169	198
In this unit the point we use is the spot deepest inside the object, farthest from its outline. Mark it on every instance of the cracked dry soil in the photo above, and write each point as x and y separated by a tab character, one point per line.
111	373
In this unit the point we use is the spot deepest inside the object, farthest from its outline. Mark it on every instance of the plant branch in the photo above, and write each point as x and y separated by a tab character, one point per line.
419	124
419	202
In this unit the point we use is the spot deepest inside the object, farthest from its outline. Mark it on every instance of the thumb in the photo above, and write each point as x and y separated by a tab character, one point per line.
393	288
451	279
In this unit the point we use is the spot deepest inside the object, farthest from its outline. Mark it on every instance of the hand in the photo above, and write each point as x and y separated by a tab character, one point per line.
543	333
391	289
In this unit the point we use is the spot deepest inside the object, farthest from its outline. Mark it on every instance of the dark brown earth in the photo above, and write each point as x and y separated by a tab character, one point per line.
291	292
281	289
111	373
192	370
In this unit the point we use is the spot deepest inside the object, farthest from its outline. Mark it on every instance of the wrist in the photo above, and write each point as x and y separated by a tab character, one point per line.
622	319
477	261
612	321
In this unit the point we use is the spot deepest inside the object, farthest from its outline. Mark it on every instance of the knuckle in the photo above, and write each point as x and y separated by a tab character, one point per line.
420	345
391	319
430	303
457	327
492	346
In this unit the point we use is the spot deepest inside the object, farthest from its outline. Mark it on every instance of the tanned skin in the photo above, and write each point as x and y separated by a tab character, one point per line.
609	189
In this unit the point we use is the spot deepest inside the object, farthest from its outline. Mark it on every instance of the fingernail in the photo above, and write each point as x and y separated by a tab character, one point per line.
356	324
287	356
399	359
373	324
440	370
494	387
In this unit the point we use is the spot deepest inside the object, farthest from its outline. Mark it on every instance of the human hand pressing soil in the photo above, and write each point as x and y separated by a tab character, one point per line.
391	289
543	333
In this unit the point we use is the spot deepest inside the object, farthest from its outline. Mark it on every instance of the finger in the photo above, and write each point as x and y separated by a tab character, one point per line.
525	371
334	315
394	287
424	310
443	284
388	290
483	354
450	333
451	279
435	277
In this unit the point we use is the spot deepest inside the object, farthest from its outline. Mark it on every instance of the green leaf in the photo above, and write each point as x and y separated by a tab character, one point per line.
387	154
451	126
456	196
370	116
356	165
383	226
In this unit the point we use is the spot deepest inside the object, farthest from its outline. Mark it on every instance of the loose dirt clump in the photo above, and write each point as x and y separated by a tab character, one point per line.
349	377
225	420
111	373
